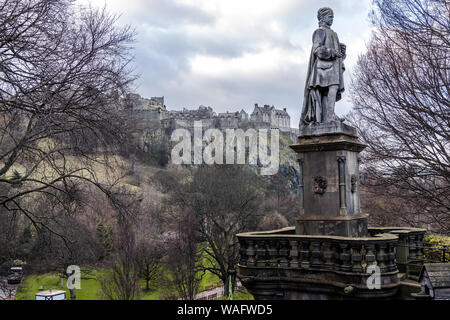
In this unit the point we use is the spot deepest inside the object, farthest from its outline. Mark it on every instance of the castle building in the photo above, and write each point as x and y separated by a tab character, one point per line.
157	102
136	102
276	117
201	113
152	113
240	115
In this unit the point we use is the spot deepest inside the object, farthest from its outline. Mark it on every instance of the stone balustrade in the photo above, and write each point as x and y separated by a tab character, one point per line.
409	250
332	263
283	250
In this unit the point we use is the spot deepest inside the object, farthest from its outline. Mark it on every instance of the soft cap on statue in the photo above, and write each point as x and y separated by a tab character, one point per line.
323	12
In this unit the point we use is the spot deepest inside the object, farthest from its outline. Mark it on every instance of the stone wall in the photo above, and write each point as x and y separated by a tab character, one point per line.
146	111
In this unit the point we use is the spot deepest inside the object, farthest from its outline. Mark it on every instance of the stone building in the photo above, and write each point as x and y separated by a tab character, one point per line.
434	279
157	102
240	115
136	102
277	118
267	116
200	114
151	113
145	113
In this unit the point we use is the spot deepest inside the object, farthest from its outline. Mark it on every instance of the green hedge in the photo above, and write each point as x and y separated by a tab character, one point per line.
436	241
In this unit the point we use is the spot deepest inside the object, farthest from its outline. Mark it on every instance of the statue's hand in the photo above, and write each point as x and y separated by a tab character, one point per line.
343	49
336	54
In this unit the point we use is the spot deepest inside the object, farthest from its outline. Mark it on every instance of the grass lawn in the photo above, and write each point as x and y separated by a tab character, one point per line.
90	287
240	295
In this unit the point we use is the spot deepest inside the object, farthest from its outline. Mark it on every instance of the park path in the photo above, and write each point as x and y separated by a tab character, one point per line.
214	293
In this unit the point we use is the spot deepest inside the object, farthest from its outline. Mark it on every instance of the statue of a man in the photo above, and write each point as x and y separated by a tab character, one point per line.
324	81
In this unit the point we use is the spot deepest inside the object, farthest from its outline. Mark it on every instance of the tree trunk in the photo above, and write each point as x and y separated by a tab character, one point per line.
73	295
226	284
226	287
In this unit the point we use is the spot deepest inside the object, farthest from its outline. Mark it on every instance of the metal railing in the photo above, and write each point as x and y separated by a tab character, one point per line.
436	252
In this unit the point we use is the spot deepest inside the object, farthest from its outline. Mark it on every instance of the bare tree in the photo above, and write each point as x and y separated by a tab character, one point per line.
280	202
122	282
71	241
225	200
12	244
183	259
148	258
60	65
402	108
81	250
149	229
273	221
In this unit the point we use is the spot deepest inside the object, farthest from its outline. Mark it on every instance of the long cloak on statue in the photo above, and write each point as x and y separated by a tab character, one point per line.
324	70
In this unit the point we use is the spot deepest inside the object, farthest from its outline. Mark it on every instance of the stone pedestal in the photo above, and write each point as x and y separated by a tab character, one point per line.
330	252
329	181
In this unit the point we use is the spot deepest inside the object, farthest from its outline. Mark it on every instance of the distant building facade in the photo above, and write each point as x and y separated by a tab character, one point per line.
151	114
200	114
277	118
267	116
135	102
157	102
239	115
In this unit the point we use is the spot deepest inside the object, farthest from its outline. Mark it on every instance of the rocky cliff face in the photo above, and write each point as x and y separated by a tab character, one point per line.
157	132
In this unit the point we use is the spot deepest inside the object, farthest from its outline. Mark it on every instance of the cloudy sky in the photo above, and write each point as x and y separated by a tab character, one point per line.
231	54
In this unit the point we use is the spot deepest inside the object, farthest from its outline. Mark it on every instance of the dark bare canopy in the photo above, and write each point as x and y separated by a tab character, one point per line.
225	201
402	107
62	69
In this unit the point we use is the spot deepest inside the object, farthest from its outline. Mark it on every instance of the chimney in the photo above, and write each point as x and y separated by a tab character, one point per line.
284	109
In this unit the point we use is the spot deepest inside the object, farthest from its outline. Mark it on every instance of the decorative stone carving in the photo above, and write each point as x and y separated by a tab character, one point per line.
294	254
320	185
286	263
342	199
301	191
353	181
356	257
345	257
316	254
284	253
304	255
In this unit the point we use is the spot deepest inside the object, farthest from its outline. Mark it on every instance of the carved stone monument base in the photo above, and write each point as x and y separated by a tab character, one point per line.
332	136
346	226
329	181
330	253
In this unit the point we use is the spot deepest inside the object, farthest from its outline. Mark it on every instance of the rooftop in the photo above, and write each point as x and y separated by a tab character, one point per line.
50	293
438	273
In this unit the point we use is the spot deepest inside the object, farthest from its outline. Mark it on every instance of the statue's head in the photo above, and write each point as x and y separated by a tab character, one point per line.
325	16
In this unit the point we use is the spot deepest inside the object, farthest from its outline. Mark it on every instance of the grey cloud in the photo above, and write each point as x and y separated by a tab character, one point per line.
176	43
165	48
167	13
